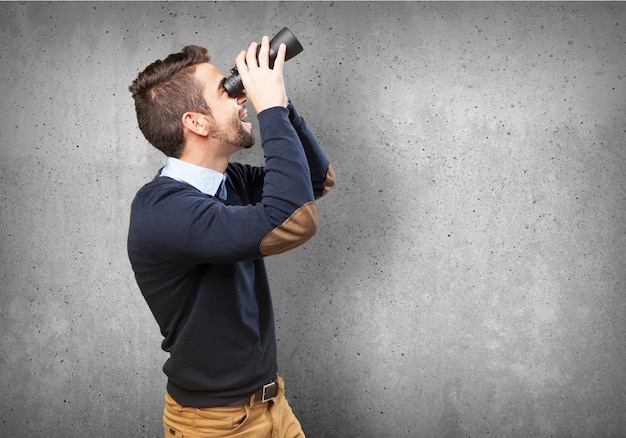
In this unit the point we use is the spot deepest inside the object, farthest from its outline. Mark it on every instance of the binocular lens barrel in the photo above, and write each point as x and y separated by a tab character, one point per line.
234	86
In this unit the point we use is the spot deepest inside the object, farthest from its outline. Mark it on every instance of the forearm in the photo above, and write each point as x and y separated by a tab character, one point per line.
322	174
286	182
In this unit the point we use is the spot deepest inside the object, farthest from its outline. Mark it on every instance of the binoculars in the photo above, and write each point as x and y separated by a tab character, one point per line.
234	86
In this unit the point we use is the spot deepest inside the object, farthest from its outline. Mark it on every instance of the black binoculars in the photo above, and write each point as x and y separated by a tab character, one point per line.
234	86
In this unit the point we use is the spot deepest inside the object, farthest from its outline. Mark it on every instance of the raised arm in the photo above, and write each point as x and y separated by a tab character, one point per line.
322	173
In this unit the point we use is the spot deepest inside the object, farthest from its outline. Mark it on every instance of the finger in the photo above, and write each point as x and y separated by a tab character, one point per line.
264	52
251	55
240	61
279	62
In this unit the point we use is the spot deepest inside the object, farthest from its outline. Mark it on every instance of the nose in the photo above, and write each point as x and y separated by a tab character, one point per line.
242	98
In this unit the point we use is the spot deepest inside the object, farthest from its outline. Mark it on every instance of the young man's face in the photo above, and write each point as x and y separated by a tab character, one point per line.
228	112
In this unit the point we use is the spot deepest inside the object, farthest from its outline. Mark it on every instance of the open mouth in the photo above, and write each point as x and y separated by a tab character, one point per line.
242	116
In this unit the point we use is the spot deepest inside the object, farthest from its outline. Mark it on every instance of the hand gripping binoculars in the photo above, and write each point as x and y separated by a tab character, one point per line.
234	86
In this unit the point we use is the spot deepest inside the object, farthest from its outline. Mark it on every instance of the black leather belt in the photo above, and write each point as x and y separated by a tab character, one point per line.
268	392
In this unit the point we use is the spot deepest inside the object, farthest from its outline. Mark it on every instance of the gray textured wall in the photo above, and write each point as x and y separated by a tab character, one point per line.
469	275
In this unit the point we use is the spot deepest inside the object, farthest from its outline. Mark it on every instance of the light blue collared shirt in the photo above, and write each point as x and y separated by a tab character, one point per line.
208	181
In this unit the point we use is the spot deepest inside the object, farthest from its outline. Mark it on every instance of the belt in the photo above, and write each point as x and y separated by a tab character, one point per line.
268	392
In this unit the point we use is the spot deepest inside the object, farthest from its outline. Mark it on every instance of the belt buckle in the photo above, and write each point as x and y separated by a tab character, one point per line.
267	386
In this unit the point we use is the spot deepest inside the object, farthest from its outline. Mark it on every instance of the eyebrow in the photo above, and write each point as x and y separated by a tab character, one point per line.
220	87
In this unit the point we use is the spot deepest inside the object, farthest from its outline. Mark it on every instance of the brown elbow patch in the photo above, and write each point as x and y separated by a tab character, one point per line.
329	182
297	229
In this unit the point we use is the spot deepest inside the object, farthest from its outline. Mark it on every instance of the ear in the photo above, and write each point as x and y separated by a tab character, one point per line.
196	123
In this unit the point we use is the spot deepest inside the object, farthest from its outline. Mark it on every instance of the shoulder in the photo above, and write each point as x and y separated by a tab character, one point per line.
164	206
161	189
161	184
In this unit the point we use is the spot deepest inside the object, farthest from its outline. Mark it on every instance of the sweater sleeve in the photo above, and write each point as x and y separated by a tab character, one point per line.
184	227
322	173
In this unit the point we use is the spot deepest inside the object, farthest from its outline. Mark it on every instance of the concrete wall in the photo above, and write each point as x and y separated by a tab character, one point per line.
469	275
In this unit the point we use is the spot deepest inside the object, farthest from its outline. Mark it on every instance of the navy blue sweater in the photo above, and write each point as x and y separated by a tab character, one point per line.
198	261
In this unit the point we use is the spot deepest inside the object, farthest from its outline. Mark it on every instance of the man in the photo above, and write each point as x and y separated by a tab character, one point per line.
199	231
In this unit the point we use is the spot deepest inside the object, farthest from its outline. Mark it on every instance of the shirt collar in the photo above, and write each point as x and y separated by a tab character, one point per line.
208	181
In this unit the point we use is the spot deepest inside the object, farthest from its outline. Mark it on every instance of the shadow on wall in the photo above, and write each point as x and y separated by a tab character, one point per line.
346	285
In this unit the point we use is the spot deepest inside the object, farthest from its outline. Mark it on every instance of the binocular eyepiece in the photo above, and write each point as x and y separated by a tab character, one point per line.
234	86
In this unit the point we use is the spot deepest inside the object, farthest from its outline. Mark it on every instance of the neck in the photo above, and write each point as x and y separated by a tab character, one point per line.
208	156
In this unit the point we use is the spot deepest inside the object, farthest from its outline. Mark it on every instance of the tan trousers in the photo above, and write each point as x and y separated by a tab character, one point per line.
273	419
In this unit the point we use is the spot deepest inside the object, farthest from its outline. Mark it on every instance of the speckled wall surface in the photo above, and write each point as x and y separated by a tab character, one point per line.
469	275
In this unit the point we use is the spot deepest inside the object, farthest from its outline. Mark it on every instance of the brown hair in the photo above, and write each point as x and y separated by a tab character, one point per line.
163	92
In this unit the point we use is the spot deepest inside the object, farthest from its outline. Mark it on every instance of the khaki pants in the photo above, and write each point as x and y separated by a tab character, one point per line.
273	419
